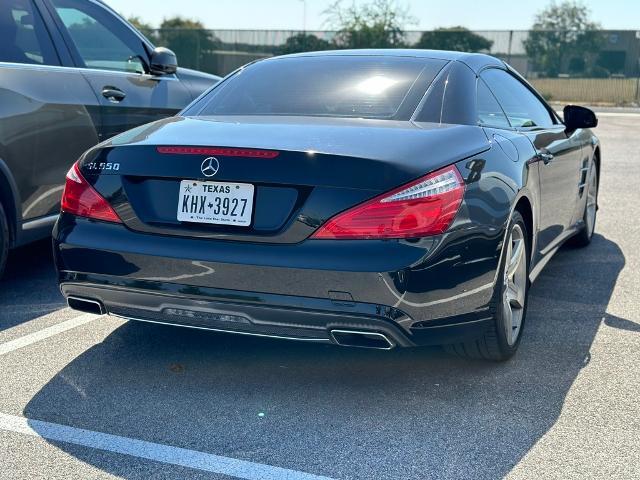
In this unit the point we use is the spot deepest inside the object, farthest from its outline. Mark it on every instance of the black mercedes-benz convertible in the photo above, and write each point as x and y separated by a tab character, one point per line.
372	198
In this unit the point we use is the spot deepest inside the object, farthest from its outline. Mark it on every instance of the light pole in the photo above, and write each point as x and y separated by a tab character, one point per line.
304	15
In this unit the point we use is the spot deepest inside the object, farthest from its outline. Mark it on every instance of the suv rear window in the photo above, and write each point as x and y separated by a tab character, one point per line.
333	86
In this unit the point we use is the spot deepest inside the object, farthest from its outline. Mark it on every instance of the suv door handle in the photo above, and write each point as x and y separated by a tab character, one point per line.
546	157
113	94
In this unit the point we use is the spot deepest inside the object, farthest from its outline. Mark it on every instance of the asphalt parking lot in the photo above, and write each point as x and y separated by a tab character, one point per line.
89	397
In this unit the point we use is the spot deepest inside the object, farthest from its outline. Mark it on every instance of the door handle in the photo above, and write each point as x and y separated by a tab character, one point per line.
546	157
113	94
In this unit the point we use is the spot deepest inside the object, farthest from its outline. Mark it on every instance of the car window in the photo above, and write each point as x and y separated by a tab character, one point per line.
489	112
522	107
101	40
23	36
332	85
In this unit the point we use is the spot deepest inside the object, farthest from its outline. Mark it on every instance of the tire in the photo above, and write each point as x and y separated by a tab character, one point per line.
501	339
584	236
4	239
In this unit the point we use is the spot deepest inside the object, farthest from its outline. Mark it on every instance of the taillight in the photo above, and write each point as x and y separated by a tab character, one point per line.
80	198
426	206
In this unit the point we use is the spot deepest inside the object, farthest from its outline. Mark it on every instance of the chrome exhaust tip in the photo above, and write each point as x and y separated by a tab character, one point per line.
362	339
86	305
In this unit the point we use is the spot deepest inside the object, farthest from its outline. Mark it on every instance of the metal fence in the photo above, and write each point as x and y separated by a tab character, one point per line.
592	67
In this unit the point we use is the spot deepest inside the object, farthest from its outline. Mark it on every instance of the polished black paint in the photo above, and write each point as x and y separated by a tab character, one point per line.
418	291
50	114
144	190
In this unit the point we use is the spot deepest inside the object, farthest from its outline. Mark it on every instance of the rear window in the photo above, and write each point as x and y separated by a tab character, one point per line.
332	86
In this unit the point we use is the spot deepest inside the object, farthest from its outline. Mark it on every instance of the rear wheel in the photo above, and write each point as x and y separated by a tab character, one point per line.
509	305
4	239
583	238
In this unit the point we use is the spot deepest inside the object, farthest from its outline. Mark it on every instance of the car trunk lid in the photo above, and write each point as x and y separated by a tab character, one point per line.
303	170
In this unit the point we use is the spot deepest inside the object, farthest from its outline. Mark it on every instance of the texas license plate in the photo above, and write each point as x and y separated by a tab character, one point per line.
219	203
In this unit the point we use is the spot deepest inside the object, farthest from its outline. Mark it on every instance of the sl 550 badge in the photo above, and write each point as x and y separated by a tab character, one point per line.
102	166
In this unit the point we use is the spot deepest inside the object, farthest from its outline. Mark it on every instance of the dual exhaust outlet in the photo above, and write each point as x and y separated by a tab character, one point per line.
342	337
86	305
363	339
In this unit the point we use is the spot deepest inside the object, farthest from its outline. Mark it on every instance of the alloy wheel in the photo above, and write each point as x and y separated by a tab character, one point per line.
592	201
515	284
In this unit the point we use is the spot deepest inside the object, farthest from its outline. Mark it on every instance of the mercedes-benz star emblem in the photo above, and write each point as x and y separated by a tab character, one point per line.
210	166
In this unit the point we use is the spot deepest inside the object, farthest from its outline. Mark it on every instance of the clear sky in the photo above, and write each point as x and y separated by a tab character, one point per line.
288	14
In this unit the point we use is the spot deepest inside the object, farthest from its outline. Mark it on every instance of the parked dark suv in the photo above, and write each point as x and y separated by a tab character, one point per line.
72	73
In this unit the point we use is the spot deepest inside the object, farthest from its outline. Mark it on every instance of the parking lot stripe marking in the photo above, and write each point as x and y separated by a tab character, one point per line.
34	337
151	451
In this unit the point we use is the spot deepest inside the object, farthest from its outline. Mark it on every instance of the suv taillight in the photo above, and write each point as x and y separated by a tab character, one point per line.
80	198
426	206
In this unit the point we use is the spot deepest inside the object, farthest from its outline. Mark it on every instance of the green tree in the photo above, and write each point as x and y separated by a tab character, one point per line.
378	24
144	28
563	37
303	42
188	39
458	39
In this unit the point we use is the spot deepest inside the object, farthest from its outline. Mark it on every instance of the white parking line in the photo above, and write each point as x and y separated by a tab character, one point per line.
34	337
151	451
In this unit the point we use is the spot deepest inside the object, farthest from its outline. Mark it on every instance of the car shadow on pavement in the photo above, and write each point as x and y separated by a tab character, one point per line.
414	413
28	288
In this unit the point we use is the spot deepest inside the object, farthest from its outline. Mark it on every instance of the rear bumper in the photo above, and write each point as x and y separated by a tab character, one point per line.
276	316
426	292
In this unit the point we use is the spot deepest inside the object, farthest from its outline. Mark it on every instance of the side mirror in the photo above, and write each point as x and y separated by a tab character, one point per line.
163	61
576	117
